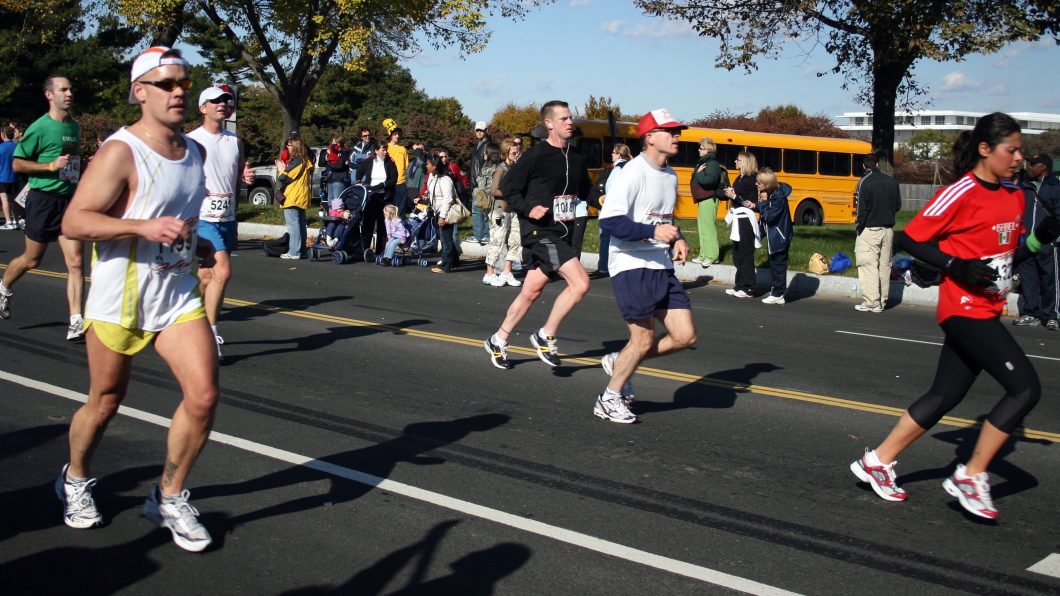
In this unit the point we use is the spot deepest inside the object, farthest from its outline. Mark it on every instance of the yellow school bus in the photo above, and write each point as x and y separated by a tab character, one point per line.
823	172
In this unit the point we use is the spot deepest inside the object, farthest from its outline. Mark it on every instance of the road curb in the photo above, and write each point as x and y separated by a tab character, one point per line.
799	283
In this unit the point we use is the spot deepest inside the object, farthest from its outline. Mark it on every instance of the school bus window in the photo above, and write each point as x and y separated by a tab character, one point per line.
727	154
834	164
591	149
634	146
798	161
768	157
859	168
687	154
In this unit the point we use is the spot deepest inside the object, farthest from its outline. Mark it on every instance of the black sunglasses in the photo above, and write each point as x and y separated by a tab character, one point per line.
168	85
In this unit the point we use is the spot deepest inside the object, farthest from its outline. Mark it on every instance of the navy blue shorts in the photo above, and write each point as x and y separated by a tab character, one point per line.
640	293
221	233
44	215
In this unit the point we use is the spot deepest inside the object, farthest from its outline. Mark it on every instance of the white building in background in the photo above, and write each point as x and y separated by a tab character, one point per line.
906	124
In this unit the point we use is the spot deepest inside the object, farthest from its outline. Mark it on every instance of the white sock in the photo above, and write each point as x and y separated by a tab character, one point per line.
500	343
612	394
76	318
4	290
71	479
872	459
214	329
541	333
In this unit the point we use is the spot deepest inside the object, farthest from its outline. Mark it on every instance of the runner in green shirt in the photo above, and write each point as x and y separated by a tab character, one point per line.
49	154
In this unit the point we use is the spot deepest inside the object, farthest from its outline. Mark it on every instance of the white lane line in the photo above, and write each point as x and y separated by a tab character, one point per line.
1048	566
578	539
930	343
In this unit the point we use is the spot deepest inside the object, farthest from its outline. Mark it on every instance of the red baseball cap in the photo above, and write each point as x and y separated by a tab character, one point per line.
654	119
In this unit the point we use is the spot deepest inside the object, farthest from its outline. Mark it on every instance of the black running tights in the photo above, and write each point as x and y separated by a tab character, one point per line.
971	346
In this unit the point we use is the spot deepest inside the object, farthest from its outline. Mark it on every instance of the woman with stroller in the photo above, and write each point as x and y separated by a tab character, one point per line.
441	193
379	175
294	178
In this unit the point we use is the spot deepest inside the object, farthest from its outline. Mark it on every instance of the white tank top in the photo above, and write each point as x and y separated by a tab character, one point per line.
222	167
145	285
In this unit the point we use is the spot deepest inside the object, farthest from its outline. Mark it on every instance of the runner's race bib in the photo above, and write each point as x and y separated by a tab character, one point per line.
71	172
216	205
563	207
176	258
1001	263
656	219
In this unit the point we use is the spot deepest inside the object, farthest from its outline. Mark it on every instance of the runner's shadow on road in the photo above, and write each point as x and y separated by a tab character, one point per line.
716	390
271	307
317	341
27	439
370	465
474	574
1016	478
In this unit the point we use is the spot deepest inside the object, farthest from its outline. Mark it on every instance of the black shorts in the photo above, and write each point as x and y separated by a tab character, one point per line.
640	293
44	215
10	189
549	254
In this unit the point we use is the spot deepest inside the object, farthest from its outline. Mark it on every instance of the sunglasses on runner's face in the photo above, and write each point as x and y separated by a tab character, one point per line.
168	85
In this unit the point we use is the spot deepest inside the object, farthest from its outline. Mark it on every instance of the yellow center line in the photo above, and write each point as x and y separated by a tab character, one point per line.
756	389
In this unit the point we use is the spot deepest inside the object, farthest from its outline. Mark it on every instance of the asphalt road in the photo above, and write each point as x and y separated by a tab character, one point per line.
365	445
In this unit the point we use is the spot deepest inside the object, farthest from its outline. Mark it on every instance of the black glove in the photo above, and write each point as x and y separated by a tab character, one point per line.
1048	232
973	272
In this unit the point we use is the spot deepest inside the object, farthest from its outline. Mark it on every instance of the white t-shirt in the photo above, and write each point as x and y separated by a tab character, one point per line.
222	168
645	194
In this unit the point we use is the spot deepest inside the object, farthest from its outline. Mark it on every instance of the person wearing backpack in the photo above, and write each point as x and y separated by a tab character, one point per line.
708	185
417	171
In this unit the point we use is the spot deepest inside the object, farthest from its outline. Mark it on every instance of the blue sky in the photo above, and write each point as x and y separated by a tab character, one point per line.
575	48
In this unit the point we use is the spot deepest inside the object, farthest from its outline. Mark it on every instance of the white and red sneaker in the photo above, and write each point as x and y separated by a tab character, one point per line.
972	491
879	476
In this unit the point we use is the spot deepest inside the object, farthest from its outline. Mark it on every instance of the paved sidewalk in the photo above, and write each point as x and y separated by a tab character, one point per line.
800	283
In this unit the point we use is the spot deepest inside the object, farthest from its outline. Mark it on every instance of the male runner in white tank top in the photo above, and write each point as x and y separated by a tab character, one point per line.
217	218
140	204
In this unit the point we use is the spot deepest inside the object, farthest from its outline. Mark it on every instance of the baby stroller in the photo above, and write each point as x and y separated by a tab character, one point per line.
351	243
422	235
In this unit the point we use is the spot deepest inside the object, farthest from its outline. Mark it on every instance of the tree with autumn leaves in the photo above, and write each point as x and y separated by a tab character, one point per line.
875	44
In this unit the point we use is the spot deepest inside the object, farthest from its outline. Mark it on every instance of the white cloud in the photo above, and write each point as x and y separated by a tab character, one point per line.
488	86
957	81
427	59
1009	55
581	2
543	83
1000	89
612	27
660	28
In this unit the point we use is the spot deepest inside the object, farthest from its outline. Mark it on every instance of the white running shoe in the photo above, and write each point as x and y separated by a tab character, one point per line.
509	279
972	491
10	225
613	409
180	517
880	477
76	330
79	508
5	304
730	291
698	260
773	300
608	364
742	294
332	242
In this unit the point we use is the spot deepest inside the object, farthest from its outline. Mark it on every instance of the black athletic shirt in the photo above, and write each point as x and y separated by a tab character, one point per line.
541	174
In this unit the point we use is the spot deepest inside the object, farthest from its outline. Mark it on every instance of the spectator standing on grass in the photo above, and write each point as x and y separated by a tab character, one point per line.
878	199
416	175
1039	301
441	193
400	156
337	162
776	217
8	178
361	151
708	183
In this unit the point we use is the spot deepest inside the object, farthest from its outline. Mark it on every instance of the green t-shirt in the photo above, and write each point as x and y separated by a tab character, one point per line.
43	142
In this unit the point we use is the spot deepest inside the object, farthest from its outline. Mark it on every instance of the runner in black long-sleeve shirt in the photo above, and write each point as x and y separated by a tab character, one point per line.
543	188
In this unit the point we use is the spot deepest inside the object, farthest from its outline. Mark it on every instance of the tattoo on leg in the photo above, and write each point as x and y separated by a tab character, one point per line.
169	472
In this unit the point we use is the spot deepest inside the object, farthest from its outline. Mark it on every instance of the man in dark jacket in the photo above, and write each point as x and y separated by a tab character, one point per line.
479	226
543	188
878	199
1039	301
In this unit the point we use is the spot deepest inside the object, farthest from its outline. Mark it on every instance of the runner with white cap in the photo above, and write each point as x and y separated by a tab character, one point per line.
217	220
140	205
